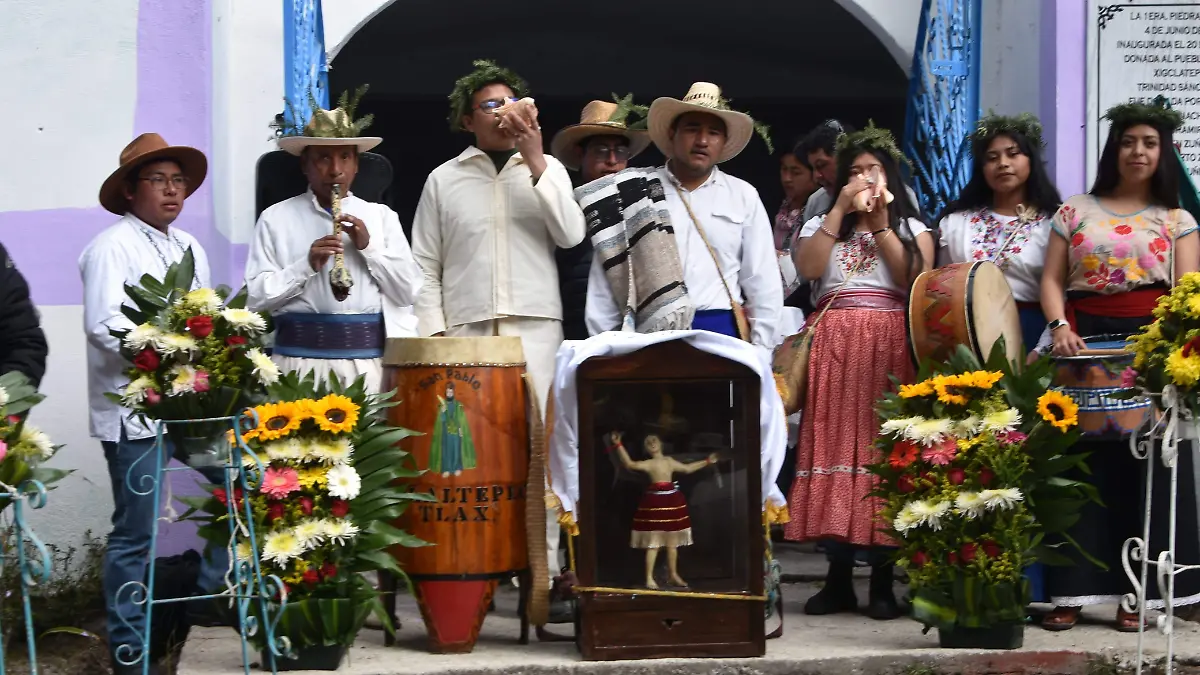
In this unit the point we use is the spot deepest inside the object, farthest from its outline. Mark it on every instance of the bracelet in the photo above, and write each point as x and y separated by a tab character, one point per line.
822	228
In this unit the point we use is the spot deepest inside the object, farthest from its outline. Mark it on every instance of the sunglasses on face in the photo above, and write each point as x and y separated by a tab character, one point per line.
492	104
620	151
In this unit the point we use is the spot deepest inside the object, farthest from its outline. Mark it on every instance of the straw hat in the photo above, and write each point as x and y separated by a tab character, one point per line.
328	127
147	148
703	97
599	118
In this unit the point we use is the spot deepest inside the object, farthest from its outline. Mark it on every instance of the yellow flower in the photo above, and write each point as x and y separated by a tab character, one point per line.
1058	409
915	390
335	414
313	477
276	420
1193	305
1090	262
981	379
949	388
1184	370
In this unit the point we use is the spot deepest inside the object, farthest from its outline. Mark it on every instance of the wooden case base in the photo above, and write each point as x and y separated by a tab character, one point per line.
615	627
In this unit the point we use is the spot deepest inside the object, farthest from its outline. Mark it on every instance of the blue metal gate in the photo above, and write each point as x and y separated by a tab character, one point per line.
305	67
943	100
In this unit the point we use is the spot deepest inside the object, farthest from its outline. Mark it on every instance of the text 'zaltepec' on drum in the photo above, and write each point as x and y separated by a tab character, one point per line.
469	503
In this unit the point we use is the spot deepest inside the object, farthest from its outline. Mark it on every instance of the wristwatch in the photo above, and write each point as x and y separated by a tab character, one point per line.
1056	324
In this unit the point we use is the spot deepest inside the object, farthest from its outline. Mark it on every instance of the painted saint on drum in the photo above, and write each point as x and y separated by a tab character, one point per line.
452	450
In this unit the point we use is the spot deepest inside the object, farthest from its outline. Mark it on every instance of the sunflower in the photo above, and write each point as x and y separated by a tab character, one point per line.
981	379
276	420
949	389
334	413
914	390
1058	409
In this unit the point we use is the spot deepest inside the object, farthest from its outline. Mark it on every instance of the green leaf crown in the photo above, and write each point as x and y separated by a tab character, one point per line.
1157	113
871	139
992	125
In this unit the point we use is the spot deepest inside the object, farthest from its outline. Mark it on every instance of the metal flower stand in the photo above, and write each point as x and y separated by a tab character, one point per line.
1176	424
34	569
245	582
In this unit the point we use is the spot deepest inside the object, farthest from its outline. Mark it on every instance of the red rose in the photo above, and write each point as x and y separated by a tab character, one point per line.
952	558
311	577
905	485
328	571
235	340
920	559
153	397
147	360
200	326
968	552
986	476
220	495
340	508
990	548
306	506
274	512
956	476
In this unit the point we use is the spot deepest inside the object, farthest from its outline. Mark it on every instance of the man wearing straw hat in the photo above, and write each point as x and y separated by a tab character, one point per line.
601	144
294	249
721	231
147	191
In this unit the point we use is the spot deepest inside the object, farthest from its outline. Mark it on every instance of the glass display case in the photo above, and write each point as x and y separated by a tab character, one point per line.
671	536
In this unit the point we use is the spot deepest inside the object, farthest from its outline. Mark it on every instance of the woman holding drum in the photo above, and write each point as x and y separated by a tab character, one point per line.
1113	252
1003	213
861	257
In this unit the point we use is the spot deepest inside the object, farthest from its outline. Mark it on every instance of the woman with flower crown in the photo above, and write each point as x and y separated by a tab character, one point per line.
861	257
1003	213
1113	253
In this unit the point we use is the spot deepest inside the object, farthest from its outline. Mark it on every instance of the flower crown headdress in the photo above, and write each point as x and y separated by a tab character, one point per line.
486	72
992	125
1157	113
872	138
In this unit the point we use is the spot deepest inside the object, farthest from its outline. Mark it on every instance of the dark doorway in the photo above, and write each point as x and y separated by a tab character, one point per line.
789	64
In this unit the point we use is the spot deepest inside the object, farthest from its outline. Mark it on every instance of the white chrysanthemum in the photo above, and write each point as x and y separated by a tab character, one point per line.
264	368
33	444
970	505
243	320
905	520
968	427
204	300
142	337
899	426
243	551
930	513
183	381
339	530
172	343
1003	499
311	533
344	482
337	451
929	432
3	397
280	547
284	450
135	392
1005	420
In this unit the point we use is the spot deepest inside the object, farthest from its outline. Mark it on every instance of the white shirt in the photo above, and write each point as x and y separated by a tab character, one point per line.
968	236
872	272
486	240
280	280
737	227
121	255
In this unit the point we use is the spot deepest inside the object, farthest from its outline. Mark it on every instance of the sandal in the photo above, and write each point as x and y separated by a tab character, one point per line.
1061	618
1128	622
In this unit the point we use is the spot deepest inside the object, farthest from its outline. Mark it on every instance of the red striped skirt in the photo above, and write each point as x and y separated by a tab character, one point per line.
661	519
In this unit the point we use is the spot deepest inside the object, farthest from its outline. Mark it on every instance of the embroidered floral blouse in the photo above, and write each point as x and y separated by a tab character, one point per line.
787	219
1019	250
1114	253
872	272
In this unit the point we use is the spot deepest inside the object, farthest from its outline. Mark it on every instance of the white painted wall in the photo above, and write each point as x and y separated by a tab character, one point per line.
59	59
894	22
1010	80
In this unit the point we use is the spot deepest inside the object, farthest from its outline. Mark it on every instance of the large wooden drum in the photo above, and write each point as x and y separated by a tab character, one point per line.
1091	377
467	398
963	304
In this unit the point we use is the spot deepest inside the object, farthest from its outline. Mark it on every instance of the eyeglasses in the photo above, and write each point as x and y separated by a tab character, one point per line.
159	182
621	151
491	104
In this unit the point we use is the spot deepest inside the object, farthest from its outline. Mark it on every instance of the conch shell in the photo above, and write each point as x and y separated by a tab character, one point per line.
867	199
523	107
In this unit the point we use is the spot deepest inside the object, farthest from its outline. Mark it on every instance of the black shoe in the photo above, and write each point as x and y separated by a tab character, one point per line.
838	593
882	605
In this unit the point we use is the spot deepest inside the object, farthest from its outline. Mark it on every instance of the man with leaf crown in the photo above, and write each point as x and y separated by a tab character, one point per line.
319	329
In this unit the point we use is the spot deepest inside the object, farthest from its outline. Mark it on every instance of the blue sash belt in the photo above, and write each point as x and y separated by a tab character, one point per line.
330	336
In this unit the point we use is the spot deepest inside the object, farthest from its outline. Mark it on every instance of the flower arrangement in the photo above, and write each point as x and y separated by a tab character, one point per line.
322	507
23	447
971	484
1167	351
193	354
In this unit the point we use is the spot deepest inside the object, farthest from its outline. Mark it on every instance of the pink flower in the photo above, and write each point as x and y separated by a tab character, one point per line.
279	483
1011	437
153	397
201	382
941	453
3	450
1122	250
1128	378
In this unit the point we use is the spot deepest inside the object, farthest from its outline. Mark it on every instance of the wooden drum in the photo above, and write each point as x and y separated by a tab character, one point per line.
1091	377
467	398
963	304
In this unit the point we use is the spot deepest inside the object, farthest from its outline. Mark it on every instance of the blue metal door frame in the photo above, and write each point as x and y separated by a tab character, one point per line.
305	65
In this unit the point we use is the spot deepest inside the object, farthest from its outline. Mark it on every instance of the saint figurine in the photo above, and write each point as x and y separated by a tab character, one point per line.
452	451
661	520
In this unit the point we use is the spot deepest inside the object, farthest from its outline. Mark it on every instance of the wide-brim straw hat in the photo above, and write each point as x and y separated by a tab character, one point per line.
703	97
147	148
333	121
595	121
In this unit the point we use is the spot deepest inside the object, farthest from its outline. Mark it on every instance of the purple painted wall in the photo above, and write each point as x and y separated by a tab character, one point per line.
1063	91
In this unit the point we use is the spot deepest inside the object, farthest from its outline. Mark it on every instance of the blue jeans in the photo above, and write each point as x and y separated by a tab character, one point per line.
134	517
